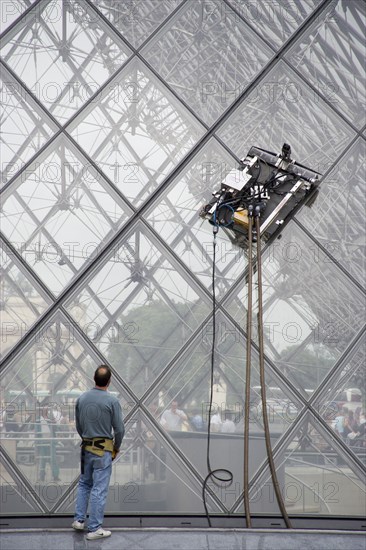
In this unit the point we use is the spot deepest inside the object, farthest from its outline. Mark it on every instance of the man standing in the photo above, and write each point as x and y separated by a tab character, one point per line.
173	418
98	419
46	443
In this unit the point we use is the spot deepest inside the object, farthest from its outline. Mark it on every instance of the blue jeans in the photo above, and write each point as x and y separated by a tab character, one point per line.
93	483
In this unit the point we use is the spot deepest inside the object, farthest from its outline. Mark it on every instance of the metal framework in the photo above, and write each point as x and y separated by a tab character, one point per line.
119	119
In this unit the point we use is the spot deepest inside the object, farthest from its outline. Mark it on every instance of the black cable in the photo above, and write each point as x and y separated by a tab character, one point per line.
278	178
213	473
247	197
245	193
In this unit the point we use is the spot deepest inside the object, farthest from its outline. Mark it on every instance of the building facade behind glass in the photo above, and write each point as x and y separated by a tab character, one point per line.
120	118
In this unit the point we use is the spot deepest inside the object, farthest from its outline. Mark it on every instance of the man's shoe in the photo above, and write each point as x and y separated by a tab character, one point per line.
98	534
78	525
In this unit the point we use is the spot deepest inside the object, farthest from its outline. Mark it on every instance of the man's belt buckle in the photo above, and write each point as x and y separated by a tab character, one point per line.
99	444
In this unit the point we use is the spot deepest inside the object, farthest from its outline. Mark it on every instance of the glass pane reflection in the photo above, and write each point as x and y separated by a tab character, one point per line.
175	217
274	21
315	477
63	52
337	216
136	132
342	403
213	55
311	312
331	55
38	394
24	127
59	213
149	477
139	309
186	388
21	302
136	19
20	499
283	109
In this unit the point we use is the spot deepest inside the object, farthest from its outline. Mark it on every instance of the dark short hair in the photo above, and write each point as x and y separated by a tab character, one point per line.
102	375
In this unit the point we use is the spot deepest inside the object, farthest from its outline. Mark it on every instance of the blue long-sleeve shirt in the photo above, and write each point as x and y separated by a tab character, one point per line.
99	414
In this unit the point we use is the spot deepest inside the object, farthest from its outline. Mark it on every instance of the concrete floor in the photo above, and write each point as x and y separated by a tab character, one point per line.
184	539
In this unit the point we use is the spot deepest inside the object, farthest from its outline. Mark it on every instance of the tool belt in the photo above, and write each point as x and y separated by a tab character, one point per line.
97	446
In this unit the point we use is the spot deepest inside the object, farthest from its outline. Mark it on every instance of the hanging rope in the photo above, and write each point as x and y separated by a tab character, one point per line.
262	381
247	374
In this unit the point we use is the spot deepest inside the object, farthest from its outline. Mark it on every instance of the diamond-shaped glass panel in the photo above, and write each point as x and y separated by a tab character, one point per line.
59	213
63	52
186	387
19	499
137	132
213	55
311	312
274	21
337	216
342	402
21	302
24	127
175	218
314	475
39	393
283	109
149	477
331	55
139	308
136	19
